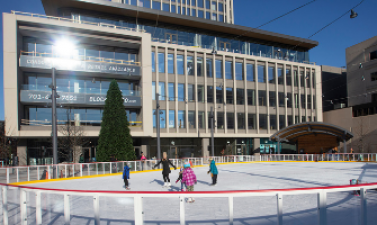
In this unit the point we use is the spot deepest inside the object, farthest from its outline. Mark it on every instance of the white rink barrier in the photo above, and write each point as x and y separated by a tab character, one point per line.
29	201
40	172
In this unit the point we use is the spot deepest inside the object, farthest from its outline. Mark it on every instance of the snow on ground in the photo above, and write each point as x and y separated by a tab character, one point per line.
343	208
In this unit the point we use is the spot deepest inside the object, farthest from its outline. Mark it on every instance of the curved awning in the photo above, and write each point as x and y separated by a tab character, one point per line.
294	132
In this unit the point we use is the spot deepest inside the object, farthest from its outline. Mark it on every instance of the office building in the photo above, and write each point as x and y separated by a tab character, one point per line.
255	81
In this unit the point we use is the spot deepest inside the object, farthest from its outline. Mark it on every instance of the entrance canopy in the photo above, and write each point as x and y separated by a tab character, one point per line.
313	137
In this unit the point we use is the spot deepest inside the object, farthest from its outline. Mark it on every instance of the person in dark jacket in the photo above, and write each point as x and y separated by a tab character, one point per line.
126	176
165	169
213	171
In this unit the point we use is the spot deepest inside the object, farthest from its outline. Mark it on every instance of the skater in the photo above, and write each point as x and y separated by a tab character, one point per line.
213	171
165	169
189	178
126	176
142	158
180	179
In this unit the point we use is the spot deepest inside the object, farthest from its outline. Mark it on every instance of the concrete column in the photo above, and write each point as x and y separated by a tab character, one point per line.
256	145
22	152
205	144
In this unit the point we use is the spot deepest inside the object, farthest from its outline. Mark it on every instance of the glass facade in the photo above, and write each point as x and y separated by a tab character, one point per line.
250	72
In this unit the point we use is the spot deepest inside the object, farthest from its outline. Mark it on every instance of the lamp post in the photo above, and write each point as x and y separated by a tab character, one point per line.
54	96
212	138
158	125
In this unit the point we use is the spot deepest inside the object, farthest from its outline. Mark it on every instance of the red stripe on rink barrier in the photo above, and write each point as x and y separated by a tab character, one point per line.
194	192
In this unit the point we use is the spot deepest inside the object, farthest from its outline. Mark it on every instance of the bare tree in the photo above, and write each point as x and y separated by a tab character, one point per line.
71	139
6	140
362	132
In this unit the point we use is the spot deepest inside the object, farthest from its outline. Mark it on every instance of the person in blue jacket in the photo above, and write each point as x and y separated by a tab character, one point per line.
213	171
126	176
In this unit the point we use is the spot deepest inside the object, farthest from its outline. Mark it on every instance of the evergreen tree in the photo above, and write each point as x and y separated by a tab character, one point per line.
115	139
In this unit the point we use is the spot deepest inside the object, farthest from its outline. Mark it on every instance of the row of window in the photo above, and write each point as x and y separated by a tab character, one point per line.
189	36
169	94
177	8
177	65
41	82
242	123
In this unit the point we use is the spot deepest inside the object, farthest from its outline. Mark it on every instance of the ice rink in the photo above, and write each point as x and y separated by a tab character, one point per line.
342	208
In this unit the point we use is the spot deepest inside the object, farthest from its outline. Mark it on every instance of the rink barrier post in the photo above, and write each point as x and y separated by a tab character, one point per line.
67	210
280	208
38	208
363	207
18	175
230	202
28	174
4	192
182	210
23	207
81	170
88	168
138	209
322	199
96	209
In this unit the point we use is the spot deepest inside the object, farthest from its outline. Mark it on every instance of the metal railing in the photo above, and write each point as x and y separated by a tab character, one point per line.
65	170
25	205
82	122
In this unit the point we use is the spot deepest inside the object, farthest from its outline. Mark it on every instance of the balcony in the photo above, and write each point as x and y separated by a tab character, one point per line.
80	63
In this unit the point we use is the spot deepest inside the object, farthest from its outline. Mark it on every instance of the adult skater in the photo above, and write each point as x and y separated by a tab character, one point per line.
189	178
165	169
126	176
213	171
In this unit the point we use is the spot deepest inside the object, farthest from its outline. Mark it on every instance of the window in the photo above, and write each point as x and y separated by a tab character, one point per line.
210	94
219	95
165	7
373	76
201	3
302	79
303	119
208	15
373	55
307	79
250	72
193	12
161	62
190	65
199	66
170	63
288	77
313	80
221	18
303	101
271	75
374	97
145	3
191	119
261	77
262	121
181	92
220	120
228	70
208	4
273	122
282	99
296	120
296	101
180	67
239	71
229	95
183	10
272	98
171	118
181	119
221	7
209	68
280	76
153	62
200	93
161	90
309	102
214	16
193	2
241	120
295	78
230	120
171	91
313	101
200	14
213	6
289	100
250	97
201	120
173	10
162	118
153	90
281	122
262	98
156	5
290	120
251	121
191	92
240	96
219	69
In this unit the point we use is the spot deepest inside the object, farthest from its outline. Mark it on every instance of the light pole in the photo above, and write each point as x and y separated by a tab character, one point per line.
54	96
158	125
212	138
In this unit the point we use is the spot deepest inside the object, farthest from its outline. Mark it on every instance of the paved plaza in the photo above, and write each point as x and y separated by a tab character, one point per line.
343	207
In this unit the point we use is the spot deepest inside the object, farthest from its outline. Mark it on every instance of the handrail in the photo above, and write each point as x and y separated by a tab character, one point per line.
48	123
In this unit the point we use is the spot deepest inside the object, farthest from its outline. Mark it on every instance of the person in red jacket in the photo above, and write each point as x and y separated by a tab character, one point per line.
189	178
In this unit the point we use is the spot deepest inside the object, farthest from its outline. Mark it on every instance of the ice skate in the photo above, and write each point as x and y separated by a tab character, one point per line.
165	185
168	184
127	188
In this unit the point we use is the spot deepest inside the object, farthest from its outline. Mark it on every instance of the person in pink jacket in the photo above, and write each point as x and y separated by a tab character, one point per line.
189	178
142	158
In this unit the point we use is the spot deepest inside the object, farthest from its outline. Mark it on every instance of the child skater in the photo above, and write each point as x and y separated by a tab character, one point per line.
180	179
126	176
213	171
165	169
189	178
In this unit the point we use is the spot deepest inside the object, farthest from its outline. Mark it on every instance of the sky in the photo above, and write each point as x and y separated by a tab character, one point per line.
304	22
